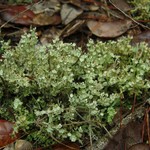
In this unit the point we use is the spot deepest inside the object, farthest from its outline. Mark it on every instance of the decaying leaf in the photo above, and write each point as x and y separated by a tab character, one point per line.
23	145
140	146
50	6
109	29
68	13
46	19
142	37
72	27
122	5
6	130
17	14
126	137
9	147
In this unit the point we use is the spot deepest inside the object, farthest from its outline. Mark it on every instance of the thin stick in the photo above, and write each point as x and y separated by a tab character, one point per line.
129	16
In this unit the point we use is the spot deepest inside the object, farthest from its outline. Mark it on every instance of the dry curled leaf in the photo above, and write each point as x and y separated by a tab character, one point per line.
23	145
50	6
17	14
140	146
122	5
6	130
9	147
69	13
142	37
126	136
109	29
46	19
72	27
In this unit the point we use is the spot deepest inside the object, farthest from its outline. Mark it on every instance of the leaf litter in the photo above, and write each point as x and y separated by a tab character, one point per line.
77	18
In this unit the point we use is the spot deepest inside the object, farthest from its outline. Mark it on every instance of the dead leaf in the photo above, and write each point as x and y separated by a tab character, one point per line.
23	145
117	14
9	147
109	29
122	5
72	27
6	130
45	19
17	14
50	7
126	137
139	146
69	13
142	37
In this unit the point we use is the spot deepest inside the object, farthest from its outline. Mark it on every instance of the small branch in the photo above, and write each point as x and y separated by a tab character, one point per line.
129	16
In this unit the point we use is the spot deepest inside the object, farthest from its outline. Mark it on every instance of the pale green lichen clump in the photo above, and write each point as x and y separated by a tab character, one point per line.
57	91
141	9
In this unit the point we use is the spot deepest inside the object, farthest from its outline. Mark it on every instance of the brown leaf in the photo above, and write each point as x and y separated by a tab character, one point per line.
45	19
142	37
127	136
50	7
122	5
6	130
140	146
109	29
9	147
23	145
72	27
17	14
69	13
